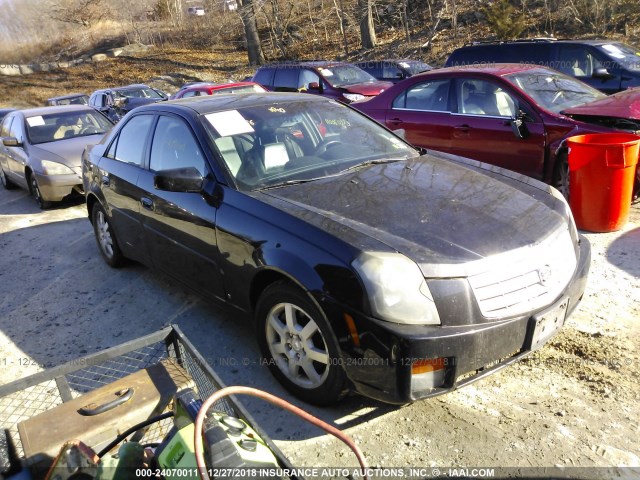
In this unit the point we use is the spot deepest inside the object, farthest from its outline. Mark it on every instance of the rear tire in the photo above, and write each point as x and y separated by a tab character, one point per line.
299	345
6	183
105	237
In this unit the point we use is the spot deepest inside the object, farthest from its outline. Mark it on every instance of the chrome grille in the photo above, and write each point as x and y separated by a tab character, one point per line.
527	279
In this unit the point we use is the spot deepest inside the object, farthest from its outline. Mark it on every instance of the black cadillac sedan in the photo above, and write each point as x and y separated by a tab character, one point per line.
366	265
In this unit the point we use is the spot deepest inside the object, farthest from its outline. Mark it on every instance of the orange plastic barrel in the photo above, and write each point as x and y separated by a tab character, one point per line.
601	174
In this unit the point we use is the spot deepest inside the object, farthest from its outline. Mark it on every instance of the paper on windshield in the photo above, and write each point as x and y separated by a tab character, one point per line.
228	123
35	121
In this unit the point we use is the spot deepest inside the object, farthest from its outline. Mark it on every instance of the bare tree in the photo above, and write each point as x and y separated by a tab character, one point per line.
248	16
365	18
80	12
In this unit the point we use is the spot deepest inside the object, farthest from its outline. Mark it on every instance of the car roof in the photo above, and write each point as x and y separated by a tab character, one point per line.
55	109
123	87
70	95
489	68
308	63
230	101
544	40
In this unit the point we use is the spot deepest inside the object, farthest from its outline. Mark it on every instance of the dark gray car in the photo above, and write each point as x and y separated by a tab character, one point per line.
41	149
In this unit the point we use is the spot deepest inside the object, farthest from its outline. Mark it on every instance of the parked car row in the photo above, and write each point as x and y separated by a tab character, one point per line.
368	263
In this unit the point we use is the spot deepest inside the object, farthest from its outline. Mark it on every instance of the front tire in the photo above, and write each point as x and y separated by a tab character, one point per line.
105	237
299	345
561	175
36	193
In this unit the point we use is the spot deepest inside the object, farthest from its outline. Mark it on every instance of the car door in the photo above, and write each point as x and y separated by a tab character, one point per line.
16	156
422	113
482	128
5	159
118	174
180	227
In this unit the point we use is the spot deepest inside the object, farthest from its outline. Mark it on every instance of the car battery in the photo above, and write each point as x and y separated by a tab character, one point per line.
97	417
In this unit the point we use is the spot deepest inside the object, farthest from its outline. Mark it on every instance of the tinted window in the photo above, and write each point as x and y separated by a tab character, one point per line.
286	80
575	60
264	76
129	146
431	96
390	71
374	68
307	77
174	146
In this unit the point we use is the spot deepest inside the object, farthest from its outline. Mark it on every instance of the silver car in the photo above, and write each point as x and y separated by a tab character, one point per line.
41	149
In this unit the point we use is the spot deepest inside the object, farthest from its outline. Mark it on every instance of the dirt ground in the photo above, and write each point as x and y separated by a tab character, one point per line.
575	403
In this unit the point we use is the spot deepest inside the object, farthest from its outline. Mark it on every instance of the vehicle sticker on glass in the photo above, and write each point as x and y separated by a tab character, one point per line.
35	121
228	123
404	64
277	110
340	122
326	72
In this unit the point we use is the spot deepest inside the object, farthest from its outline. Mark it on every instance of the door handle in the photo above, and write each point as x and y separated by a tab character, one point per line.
105	180
396	121
462	128
147	203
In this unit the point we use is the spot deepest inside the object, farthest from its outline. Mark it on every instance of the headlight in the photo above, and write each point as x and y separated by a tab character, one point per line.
572	223
352	97
55	168
396	288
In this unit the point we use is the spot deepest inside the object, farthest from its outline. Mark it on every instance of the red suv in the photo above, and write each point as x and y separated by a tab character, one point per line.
514	116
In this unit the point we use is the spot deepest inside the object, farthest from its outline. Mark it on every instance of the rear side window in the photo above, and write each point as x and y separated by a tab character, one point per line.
428	96
129	146
286	80
264	76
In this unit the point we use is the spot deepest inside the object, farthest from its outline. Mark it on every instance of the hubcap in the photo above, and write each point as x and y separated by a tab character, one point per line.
104	235
297	345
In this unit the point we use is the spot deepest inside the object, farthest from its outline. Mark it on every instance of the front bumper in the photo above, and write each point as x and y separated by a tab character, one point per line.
380	366
55	187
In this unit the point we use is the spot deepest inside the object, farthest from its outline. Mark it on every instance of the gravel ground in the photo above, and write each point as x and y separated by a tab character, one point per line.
575	403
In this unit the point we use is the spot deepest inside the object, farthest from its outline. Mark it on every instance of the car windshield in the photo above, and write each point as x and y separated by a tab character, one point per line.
61	126
414	67
623	53
553	90
79	100
341	75
138	92
276	144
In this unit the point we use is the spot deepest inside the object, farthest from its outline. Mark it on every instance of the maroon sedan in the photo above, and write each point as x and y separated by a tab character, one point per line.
514	116
199	89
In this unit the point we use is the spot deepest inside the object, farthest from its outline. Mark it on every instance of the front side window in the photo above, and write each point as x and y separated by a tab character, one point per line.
482	97
6	125
175	147
129	145
427	96
286	79
576	61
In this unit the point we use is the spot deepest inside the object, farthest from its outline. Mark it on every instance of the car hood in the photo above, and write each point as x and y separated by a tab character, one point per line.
625	104
369	88
68	151
443	215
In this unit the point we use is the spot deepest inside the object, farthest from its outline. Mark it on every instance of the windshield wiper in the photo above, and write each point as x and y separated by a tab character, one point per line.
358	166
289	182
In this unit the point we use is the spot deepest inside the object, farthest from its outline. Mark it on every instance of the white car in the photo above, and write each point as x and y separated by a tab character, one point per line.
196	11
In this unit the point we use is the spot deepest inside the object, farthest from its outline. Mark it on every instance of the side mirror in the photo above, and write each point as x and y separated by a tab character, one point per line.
315	86
518	126
179	180
11	142
602	73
